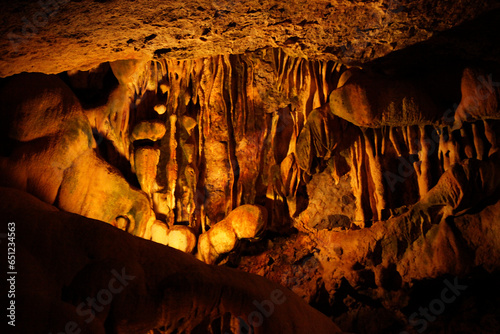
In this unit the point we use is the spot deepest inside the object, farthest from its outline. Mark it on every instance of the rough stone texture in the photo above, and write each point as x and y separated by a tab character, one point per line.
372	280
67	259
377	204
182	238
148	131
244	222
79	35
49	137
360	100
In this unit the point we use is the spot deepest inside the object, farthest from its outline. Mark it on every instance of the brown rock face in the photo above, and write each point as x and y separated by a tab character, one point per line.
403	103
61	35
52	145
131	293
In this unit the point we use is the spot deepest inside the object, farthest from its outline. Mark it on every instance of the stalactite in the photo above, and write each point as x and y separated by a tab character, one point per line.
413	139
358	185
443	150
216	155
394	137
171	167
146	162
229	108
371	138
422	167
227	144
188	174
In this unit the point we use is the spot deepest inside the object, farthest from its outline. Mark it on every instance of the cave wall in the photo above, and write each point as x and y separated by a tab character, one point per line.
256	128
374	170
232	121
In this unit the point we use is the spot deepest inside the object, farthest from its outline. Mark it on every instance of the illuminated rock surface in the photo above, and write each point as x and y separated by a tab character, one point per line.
284	141
71	258
84	34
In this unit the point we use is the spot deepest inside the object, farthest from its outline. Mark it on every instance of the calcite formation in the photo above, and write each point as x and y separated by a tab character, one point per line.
244	222
266	143
182	238
53	157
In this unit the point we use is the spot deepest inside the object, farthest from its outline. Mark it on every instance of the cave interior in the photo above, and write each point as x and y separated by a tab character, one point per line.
250	167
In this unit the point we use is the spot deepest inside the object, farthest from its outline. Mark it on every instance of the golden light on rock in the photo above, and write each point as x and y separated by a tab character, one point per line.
227	168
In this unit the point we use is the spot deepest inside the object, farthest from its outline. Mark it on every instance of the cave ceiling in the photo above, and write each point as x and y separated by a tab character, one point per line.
62	35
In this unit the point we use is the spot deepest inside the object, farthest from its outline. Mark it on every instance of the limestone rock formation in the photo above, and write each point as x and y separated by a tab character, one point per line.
347	150
182	238
86	33
51	144
136	285
267	139
244	222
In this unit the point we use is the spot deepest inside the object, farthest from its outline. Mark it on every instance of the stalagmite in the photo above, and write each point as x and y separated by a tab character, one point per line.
55	158
159	232
182	238
244	222
142	286
357	176
423	167
345	150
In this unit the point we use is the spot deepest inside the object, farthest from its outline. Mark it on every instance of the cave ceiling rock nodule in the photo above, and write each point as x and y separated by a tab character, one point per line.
356	175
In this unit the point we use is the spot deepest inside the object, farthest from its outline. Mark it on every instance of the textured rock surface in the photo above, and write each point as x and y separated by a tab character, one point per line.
372	280
72	259
244	222
50	139
261	128
79	35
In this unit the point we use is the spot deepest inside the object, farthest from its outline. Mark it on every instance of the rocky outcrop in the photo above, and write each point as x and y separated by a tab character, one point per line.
255	128
50	145
244	222
383	278
83	274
